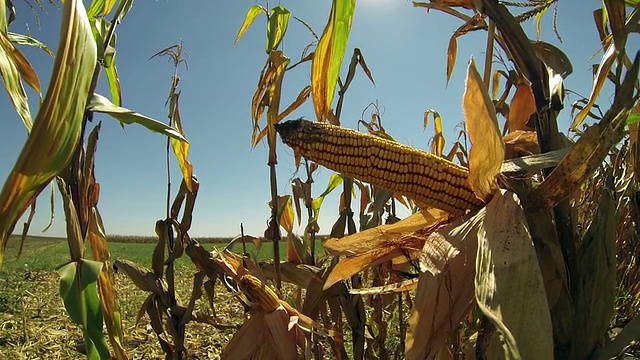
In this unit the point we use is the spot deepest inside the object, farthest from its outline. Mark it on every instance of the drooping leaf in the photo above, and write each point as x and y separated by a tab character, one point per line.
78	290
252	13
523	105
452	55
277	27
56	131
334	181
12	81
123	9
601	76
508	284
302	97
487	149
101	104
438	142
181	148
21	39
329	54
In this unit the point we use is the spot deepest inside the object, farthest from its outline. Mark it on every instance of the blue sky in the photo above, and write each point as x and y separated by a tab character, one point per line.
404	47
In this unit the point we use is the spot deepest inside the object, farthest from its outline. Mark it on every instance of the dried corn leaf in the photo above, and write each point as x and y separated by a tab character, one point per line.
144	279
520	143
402	286
487	150
523	105
442	300
350	266
588	152
56	131
246	342
508	284
601	76
437	144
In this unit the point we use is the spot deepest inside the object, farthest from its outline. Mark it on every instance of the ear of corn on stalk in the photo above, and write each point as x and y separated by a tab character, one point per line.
259	293
429	180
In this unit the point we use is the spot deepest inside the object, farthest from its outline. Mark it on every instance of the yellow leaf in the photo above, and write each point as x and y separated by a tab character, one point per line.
437	144
452	54
523	105
329	54
487	150
252	13
56	131
181	148
601	76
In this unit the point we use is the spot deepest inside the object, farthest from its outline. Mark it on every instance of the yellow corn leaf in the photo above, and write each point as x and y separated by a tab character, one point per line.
329	54
353	265
437	144
56	131
495	84
601	76
181	148
508	284
487	150
302	97
452	54
523	105
364	241
252	13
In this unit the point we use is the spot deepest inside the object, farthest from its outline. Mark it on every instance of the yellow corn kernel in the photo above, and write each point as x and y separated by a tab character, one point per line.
259	293
385	163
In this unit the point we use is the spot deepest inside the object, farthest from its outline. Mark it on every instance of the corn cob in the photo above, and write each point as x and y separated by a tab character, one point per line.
259	293
429	180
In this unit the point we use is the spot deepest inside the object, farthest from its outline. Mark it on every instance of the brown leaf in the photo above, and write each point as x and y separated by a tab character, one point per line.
245	343
442	300
372	238
520	143
508	284
523	105
487	150
353	265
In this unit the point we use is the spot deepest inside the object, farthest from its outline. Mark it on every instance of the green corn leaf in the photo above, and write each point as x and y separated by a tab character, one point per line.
56	132
101	104
633	119
334	182
21	39
79	293
278	23
252	13
114	84
123	9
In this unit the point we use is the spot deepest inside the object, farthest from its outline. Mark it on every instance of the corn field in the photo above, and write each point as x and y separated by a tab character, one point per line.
522	243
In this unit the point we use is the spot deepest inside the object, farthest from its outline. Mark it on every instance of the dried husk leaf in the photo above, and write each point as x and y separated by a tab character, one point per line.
442	300
487	150
597	268
508	284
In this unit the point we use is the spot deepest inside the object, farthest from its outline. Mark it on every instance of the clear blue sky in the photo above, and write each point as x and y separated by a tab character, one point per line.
404	47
